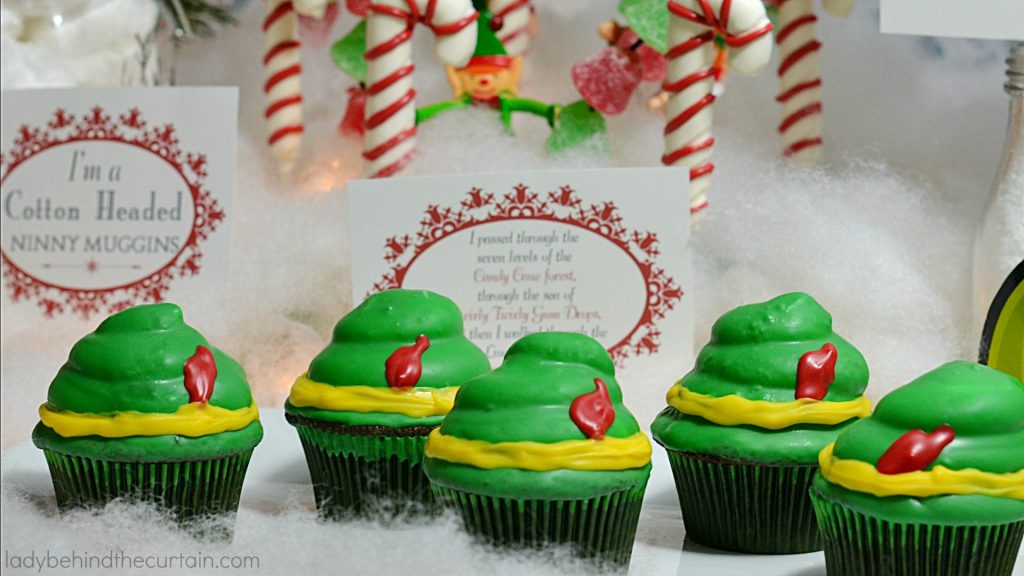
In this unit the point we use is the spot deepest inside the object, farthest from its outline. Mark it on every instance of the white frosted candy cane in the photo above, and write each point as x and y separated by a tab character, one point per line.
390	138
283	87
691	35
515	18
799	75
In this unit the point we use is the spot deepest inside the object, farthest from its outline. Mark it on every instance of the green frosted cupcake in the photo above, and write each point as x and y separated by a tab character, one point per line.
541	451
146	408
365	406
932	483
743	429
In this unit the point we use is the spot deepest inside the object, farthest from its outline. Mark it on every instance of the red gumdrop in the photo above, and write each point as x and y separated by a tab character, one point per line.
607	81
317	30
352	124
653	66
358	7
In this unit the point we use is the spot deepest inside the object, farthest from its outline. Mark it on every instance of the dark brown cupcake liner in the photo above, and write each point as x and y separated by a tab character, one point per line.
189	489
601	529
744	506
857	544
367	475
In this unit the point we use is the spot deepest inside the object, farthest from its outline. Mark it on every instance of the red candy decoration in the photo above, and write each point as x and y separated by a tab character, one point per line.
915	450
352	123
592	412
200	374
653	65
815	372
318	29
404	367
606	81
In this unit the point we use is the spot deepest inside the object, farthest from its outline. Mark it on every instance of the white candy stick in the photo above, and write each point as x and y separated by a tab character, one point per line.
283	87
515	30
390	138
800	76
692	29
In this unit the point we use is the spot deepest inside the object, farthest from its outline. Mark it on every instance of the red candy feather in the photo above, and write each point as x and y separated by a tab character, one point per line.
405	366
915	450
815	372
592	412
200	374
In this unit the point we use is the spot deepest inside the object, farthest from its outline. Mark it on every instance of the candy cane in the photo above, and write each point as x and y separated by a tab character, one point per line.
390	106
283	87
799	76
515	23
691	55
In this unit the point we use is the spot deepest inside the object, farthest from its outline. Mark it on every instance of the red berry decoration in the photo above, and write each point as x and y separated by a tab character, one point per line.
592	412
607	81
405	366
815	372
915	450
200	374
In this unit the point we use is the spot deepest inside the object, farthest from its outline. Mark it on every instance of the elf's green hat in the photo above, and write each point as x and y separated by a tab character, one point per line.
489	49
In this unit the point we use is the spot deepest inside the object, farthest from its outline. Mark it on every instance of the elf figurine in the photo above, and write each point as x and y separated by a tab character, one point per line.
490	79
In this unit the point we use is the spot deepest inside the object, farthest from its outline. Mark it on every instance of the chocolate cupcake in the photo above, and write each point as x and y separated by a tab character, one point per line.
541	452
365	406
743	429
145	408
932	483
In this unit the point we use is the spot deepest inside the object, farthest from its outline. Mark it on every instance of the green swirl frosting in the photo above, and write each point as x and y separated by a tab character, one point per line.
365	338
134	362
753	353
985	407
527	398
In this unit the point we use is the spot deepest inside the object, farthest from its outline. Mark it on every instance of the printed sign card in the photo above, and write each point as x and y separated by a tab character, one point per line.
602	252
115	197
988	19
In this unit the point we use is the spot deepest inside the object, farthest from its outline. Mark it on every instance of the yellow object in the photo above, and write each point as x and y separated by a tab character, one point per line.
193	420
414	402
863	477
1006	350
605	454
735	410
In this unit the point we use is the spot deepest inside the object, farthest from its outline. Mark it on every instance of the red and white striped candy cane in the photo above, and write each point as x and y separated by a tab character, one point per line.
390	105
283	87
799	76
692	29
515	23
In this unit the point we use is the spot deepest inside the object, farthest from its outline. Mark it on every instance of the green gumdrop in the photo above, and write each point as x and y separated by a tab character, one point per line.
577	124
649	20
348	52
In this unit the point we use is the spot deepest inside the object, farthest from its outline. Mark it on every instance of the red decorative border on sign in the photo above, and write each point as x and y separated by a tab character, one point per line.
131	129
564	207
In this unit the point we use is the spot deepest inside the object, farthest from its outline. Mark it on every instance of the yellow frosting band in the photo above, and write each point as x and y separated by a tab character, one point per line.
735	410
863	477
605	454
193	420
414	402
